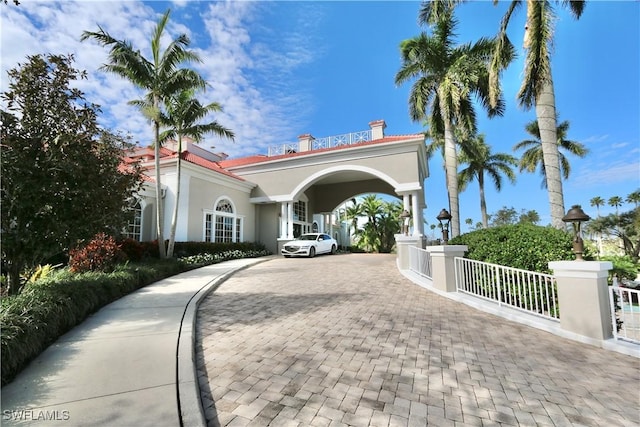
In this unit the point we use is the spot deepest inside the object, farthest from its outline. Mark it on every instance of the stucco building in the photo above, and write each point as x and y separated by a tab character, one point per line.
294	188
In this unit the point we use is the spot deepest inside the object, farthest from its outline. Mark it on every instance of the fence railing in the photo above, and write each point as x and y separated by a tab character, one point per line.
420	262
532	292
625	313
340	140
277	150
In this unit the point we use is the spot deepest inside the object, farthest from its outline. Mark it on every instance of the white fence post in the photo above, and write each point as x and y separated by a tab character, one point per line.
583	297
403	243
443	268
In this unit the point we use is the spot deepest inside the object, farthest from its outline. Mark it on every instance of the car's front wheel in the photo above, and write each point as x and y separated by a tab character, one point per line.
333	249
312	252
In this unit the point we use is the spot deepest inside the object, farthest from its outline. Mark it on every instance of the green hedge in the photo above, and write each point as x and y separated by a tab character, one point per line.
526	246
48	308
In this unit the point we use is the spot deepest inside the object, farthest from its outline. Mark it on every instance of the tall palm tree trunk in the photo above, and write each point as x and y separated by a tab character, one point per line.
546	115
483	202
174	217
451	167
159	202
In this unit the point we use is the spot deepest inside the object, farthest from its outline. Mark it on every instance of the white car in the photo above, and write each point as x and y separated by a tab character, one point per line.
310	244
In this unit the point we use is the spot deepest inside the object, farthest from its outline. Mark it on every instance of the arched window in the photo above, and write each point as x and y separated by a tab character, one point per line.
223	225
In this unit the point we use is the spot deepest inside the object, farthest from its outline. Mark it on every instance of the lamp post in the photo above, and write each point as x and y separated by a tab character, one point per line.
405	215
444	218
576	217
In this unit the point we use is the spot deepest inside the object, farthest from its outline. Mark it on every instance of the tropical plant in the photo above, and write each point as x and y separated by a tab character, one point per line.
615	202
62	176
159	77
182	117
625	226
377	234
445	79
476	154
597	202
537	85
534	155
634	198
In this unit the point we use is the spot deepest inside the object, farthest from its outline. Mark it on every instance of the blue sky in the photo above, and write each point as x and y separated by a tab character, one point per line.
281	69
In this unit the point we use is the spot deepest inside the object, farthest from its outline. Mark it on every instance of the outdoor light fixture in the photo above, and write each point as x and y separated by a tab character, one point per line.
576	217
444	218
405	215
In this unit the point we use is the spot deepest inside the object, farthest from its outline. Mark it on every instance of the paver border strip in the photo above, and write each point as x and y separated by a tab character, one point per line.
190	411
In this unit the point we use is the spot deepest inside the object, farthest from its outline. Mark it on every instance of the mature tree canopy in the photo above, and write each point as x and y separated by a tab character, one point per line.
625	226
62	175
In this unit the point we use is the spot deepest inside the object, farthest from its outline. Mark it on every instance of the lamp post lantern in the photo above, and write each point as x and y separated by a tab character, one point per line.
576	217
444	218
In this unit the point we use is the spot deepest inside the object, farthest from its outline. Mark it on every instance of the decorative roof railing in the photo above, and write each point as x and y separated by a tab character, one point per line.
278	150
340	140
322	143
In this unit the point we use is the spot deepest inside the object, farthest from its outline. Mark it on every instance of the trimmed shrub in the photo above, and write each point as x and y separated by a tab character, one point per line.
526	246
185	249
102	253
48	308
133	249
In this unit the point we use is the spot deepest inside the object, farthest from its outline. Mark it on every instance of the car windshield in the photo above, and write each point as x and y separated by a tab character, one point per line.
307	237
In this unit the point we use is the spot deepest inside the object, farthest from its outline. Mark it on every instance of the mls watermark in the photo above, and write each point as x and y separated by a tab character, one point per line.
35	415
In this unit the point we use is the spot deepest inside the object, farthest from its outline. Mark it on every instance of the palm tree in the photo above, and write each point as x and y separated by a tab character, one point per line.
597	202
537	85
183	112
634	198
160	77
445	79
480	161
616	202
534	151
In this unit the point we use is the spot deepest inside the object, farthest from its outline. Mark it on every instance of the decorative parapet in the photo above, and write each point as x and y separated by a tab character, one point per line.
309	143
342	140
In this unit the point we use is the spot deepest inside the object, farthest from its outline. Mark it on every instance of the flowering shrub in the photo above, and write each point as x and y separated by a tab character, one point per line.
209	258
102	253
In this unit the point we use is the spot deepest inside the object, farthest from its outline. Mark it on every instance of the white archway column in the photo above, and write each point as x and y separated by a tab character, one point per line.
283	220
405	202
416	215
290	220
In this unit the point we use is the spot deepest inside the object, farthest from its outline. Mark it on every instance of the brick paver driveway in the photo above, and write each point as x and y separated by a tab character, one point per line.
347	340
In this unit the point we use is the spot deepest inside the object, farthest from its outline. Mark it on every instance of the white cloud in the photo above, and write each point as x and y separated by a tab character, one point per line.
250	66
599	173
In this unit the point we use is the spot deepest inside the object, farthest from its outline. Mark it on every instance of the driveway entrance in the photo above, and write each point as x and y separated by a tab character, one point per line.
347	340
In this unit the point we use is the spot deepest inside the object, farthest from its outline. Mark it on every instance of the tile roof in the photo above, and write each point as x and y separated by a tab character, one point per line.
167	154
242	161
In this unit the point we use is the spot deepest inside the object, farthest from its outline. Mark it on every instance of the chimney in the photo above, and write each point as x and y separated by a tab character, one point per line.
305	142
377	129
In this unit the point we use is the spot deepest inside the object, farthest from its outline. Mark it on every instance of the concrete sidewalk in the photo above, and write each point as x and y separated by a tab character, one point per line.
129	364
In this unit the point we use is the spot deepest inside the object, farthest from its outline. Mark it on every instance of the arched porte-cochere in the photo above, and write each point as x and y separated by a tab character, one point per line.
307	180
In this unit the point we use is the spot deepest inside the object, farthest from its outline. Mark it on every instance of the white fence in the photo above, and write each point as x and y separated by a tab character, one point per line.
529	291
340	140
320	143
625	313
420	262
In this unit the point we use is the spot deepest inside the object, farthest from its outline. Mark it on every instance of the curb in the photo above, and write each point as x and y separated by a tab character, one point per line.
190	410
